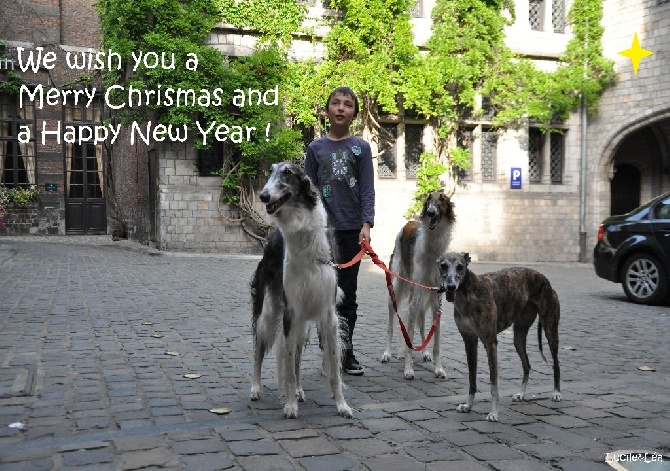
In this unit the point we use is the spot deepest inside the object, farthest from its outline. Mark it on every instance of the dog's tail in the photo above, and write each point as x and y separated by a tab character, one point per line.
550	306
539	339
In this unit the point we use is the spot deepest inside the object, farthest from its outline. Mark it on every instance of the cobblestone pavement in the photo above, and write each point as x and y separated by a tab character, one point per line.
85	327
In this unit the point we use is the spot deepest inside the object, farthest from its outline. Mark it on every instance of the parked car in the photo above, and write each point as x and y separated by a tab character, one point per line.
634	249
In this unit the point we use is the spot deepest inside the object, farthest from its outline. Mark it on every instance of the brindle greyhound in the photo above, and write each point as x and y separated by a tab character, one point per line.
488	304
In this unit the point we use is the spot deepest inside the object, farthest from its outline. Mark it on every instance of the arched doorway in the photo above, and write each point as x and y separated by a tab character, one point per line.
625	189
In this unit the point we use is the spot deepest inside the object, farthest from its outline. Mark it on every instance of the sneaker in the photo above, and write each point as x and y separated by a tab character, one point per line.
350	365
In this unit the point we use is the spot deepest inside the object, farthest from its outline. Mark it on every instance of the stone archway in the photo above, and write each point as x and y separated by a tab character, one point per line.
642	142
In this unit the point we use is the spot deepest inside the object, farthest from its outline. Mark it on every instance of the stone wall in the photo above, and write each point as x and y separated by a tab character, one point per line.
33	219
191	218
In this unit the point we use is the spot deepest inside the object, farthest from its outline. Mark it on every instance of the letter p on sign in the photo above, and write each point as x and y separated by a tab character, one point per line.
515	182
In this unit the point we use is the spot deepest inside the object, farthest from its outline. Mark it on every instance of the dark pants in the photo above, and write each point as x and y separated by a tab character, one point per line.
346	248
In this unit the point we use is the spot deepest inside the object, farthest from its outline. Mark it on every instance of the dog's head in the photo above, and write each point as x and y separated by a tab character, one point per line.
438	207
453	269
288	185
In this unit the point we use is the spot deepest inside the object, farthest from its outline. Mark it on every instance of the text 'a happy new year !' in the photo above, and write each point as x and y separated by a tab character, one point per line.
148	132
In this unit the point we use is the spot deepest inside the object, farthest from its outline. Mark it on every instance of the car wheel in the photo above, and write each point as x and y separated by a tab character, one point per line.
644	280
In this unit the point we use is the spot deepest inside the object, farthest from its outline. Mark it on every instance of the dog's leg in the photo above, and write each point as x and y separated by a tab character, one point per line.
299	392
259	353
491	346
291	404
471	344
411	318
520	336
550	324
386	356
421	320
331	352
437	361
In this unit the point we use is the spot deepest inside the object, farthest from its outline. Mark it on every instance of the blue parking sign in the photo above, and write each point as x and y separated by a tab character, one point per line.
515	181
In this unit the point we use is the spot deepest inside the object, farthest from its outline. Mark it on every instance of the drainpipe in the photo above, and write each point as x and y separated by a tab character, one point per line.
582	186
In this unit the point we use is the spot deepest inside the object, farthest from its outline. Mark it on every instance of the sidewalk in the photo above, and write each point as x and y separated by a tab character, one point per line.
86	327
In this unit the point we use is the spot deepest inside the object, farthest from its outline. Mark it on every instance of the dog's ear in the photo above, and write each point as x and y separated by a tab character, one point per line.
466	258
307	188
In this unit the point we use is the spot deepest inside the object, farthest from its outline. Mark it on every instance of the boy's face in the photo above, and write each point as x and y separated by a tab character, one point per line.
341	109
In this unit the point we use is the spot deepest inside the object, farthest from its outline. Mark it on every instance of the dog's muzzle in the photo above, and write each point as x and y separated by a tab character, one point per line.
433	217
449	292
272	206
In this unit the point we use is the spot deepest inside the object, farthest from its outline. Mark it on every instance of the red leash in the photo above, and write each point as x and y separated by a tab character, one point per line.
367	249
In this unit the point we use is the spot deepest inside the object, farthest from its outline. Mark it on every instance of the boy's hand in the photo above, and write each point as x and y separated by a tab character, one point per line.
365	233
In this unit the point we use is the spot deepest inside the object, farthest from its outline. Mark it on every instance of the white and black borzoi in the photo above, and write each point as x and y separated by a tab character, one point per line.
417	246
295	283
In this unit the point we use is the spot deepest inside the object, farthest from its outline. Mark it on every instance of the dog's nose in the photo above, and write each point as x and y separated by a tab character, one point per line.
265	197
431	211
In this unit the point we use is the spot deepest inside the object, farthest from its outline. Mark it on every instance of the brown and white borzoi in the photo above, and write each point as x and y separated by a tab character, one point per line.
295	283
417	246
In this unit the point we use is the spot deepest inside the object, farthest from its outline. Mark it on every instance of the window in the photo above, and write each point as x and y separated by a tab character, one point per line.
489	155
210	160
545	153
535	146
413	148
558	16
465	137
83	162
556	157
17	159
388	135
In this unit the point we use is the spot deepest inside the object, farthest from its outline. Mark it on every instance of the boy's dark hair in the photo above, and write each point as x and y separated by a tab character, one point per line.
346	91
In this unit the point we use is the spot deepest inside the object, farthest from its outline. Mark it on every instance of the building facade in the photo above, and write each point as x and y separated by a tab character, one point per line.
522	201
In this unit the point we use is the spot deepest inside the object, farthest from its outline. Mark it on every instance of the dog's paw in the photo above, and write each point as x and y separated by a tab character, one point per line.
409	374
255	393
345	411
440	373
300	395
427	357
518	397
492	417
386	357
556	396
464	408
291	411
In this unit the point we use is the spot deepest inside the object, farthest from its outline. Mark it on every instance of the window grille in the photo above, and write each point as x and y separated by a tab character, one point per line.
417	10
489	153
558	16
413	148
388	135
535	144
557	151
535	14
17	159
465	140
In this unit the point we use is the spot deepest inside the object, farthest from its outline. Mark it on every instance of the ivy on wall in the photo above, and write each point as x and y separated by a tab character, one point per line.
369	47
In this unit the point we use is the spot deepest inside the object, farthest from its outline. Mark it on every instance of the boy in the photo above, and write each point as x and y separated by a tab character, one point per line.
340	165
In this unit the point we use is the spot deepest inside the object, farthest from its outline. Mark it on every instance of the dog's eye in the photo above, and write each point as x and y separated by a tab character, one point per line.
287	171
459	267
442	197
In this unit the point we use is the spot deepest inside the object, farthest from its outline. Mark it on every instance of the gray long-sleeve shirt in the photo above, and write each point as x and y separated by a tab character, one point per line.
344	174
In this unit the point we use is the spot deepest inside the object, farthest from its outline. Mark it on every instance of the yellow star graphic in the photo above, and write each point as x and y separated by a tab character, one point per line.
636	53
